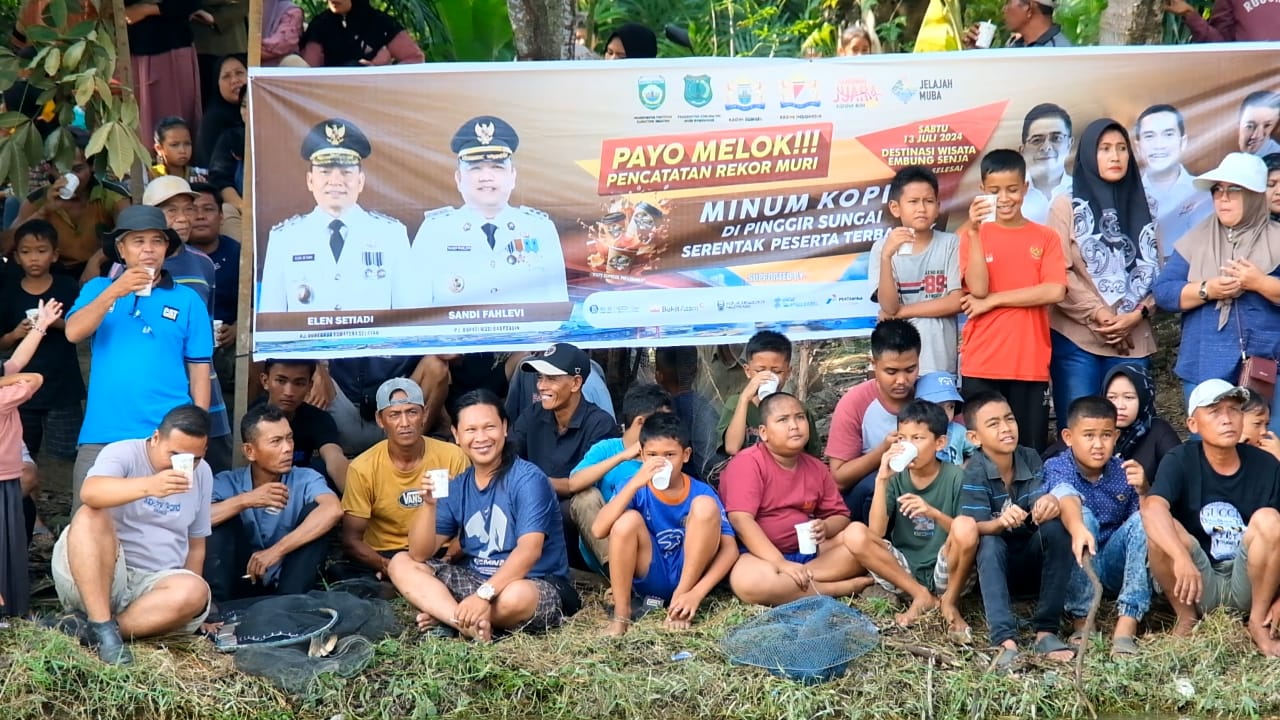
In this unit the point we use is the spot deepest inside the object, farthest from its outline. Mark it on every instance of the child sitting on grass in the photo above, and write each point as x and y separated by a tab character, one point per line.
1013	271
1099	496
917	268
940	388
668	533
1257	417
767	359
1021	540
918	543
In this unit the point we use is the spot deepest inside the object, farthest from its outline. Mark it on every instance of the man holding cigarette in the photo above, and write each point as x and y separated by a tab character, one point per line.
270	519
152	339
129	564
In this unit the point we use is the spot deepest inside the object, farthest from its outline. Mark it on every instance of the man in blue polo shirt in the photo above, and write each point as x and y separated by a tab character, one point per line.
152	339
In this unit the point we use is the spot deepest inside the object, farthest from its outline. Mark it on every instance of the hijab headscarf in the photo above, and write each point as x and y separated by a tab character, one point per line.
219	117
272	13
638	40
1273	165
348	39
1211	245
1112	224
1131	436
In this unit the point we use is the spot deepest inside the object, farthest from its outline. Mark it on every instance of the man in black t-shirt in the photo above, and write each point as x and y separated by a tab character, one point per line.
1212	525
287	383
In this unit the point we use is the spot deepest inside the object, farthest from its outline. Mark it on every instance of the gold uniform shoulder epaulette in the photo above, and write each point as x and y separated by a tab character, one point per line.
286	222
534	212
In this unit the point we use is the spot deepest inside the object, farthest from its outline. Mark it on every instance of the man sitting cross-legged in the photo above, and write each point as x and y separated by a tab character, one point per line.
929	546
271	520
513	570
1211	520
129	564
668	534
768	489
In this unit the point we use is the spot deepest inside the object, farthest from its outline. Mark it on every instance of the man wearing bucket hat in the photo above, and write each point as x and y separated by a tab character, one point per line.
193	269
1211	520
487	251
152	339
339	256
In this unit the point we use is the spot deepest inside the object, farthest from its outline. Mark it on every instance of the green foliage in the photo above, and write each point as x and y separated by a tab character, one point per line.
1080	20
476	29
1175	30
738	28
71	68
9	13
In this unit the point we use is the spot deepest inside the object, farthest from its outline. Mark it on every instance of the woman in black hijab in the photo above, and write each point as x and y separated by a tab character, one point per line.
352	32
223	112
631	41
1143	436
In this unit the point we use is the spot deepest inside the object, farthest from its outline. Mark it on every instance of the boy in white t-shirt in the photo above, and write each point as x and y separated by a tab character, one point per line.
916	269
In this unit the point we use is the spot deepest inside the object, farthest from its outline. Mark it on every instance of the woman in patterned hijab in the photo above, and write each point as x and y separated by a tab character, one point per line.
1109	240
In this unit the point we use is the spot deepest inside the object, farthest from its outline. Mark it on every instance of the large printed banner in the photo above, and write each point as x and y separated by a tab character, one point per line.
454	208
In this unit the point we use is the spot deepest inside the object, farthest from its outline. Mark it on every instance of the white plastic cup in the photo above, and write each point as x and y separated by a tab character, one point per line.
899	462
439	479
662	479
991	216
272	510
906	248
146	291
185	463
68	191
804	536
767	388
217	326
986	34
32	314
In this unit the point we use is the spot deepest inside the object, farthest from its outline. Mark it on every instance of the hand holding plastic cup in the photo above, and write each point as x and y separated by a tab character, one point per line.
185	463
767	387
986	34
68	191
439	479
662	479
899	462
991	214
146	291
804	535
32	314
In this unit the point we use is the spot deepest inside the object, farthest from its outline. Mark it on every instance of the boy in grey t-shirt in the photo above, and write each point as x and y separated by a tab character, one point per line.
129	563
916	269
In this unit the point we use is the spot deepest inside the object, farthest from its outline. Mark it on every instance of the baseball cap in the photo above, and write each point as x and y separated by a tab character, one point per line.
1212	392
166	187
937	387
559	359
412	393
1237	168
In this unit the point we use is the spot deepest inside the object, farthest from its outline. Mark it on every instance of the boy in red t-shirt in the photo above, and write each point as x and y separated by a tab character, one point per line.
1012	275
769	489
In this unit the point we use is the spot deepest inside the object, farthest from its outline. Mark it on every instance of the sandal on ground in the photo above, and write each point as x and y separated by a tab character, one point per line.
1003	662
1124	646
1051	644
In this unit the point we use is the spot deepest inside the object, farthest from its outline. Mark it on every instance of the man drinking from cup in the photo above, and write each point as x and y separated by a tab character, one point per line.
129	564
270	519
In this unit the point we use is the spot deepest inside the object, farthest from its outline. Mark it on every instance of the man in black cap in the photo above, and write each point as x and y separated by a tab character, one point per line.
487	251
556	433
152	339
338	256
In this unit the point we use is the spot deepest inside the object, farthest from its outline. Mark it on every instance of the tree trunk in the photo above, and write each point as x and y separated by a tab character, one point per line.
543	28
1132	22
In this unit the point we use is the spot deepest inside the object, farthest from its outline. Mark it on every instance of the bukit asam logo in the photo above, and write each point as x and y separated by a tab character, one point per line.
857	93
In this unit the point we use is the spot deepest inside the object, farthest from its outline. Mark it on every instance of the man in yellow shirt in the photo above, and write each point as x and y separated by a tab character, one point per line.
384	484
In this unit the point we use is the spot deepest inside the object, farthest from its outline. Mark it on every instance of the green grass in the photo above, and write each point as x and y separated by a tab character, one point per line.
573	673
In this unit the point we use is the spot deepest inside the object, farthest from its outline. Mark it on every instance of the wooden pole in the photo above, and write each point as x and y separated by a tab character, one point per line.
244	304
113	14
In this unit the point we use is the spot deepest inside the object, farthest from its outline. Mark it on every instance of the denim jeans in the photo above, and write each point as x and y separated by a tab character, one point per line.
1076	373
1009	559
1121	565
227	553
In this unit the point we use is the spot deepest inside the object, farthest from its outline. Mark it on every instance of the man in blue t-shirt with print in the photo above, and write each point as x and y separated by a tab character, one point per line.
270	519
608	466
669	536
152	339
